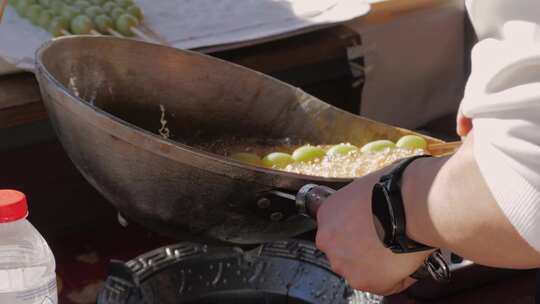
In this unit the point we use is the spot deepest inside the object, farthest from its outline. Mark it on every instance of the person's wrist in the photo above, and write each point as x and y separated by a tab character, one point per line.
415	190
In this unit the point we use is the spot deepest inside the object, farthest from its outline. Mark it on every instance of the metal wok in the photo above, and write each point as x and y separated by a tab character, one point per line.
103	96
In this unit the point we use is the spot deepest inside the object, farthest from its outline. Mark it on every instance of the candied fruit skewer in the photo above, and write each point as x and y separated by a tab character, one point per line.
118	22
105	25
126	26
42	16
108	29
79	15
345	160
128	17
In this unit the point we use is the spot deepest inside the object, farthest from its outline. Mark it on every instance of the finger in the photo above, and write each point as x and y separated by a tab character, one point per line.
324	239
401	286
464	125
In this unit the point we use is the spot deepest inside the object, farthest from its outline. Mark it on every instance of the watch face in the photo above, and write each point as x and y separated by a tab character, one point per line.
382	218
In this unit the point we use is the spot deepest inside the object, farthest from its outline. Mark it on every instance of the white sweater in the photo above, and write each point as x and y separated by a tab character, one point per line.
503	99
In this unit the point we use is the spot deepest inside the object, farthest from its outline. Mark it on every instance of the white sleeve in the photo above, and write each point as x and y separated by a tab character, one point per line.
503	99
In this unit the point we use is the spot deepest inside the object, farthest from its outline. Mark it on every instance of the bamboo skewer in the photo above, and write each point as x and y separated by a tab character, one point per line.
136	31
115	33
154	35
444	148
142	35
448	145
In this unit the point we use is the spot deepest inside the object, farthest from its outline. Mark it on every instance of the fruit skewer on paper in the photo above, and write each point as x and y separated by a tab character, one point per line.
119	18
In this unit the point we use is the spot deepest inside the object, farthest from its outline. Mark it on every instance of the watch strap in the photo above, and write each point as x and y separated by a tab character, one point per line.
392	183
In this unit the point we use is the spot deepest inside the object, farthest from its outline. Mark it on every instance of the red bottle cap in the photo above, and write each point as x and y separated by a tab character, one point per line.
13	206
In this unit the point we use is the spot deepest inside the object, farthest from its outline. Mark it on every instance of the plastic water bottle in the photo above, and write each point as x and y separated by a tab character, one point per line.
27	267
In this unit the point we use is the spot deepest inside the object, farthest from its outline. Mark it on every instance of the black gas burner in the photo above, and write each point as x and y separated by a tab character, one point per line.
292	272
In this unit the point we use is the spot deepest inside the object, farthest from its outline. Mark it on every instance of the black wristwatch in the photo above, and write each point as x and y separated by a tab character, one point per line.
389	213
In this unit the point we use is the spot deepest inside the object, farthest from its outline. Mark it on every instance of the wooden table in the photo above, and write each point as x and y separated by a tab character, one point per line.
19	87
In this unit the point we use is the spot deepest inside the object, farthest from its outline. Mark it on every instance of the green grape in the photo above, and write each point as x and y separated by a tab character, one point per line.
34	11
23	6
93	11
109	6
76	9
45	3
45	18
98	2
342	149
56	26
55	29
124	3
63	21
69	12
247	158
377	146
20	8
57	7
277	160
412	142
136	12
81	4
124	23
308	153
81	25
116	12
103	23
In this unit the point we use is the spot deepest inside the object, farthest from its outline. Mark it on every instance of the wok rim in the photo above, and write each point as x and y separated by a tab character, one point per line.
42	69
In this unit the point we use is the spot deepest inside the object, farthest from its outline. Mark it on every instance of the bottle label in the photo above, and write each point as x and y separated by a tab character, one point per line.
45	294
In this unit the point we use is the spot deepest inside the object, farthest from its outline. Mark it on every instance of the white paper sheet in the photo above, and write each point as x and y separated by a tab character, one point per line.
199	23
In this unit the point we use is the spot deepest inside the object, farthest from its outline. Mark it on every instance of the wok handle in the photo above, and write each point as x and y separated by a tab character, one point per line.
311	197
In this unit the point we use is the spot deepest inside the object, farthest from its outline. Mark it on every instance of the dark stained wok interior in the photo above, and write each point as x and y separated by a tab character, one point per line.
208	103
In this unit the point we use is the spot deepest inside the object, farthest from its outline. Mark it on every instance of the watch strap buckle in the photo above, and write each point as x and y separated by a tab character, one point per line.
435	267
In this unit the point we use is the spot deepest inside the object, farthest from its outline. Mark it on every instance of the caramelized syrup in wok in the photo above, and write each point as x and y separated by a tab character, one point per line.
354	164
